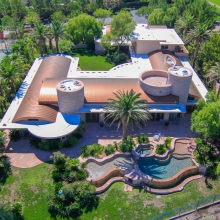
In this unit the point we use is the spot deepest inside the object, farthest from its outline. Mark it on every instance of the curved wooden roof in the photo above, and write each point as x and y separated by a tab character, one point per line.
158	59
99	90
54	66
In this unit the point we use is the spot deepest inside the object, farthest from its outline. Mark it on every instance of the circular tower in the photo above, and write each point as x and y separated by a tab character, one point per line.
180	79
70	93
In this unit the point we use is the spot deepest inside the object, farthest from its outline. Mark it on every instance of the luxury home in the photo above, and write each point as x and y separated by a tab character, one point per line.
56	94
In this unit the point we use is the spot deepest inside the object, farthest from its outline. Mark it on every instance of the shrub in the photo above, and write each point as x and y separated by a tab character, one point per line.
5	166
83	166
15	135
93	150
2	142
116	58
17	211
142	139
81	174
168	142
127	145
34	141
74	198
161	149
109	149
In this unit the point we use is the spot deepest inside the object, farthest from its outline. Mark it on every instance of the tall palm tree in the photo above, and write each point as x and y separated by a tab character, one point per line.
49	35
184	24
11	72
200	33
214	72
39	32
58	32
127	109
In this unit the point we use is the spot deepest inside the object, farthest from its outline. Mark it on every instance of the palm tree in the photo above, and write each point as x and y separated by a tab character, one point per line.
11	72
200	33
184	24
58	32
214	72
127	109
39	32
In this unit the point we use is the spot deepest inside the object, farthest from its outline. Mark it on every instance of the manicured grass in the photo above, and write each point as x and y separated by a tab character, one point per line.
88	60
31	187
216	2
117	204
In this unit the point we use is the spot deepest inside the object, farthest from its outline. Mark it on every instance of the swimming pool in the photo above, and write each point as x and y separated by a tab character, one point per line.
162	169
97	170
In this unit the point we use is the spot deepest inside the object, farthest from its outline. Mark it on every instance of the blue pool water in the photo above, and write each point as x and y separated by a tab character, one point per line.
162	169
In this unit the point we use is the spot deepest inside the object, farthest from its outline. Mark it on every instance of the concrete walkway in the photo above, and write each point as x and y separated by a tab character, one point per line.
24	156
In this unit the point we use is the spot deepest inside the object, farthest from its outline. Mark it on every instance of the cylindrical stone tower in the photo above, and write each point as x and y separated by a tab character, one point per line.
180	79
70	93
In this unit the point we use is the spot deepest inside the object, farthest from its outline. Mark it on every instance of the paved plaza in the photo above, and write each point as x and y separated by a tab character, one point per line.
24	156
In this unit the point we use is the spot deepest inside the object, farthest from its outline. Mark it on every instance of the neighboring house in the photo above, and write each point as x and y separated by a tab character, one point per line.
55	96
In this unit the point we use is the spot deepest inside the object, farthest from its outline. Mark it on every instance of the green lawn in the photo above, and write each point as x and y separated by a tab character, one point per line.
31	187
88	60
216	2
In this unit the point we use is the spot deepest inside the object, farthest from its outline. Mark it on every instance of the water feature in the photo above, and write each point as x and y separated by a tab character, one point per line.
162	169
97	170
144	149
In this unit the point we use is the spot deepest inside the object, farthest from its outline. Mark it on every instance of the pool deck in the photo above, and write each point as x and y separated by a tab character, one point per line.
24	156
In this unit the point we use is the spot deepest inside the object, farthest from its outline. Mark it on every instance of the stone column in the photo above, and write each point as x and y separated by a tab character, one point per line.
101	117
83	117
166	116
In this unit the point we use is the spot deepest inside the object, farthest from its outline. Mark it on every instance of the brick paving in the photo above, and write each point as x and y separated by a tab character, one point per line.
24	156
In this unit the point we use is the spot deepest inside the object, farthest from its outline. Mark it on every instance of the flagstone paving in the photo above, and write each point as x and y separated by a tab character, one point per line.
24	156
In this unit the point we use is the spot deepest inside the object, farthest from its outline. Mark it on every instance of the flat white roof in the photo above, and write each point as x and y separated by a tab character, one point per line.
164	36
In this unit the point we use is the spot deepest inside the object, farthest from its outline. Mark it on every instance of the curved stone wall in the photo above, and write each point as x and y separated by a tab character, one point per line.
70	99
166	63
153	89
175	180
115	172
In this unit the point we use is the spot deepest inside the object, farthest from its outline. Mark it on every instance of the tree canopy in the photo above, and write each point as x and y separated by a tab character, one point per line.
83	28
205	119
122	26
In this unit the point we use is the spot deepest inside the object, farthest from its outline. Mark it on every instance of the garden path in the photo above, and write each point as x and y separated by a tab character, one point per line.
24	156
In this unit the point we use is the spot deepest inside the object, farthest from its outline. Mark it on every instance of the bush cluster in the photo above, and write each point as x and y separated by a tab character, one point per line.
93	150
66	169
142	139
127	144
162	148
2	142
71	194
55	144
13	211
5	166
116	58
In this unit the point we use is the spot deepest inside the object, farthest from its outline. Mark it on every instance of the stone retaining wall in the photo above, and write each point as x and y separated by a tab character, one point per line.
175	180
115	172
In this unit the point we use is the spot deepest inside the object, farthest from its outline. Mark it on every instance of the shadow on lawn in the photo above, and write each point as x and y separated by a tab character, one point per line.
90	205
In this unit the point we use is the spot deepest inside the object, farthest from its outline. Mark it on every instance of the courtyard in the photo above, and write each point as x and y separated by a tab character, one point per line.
24	156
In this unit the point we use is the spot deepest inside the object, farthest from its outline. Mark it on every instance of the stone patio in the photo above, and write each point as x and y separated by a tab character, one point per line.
24	156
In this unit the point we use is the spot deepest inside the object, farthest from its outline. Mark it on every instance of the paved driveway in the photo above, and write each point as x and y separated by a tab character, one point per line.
23	155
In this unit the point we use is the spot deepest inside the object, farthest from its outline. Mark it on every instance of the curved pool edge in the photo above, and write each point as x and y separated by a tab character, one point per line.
181	178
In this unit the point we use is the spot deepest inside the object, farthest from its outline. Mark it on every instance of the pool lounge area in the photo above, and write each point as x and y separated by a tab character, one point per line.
154	172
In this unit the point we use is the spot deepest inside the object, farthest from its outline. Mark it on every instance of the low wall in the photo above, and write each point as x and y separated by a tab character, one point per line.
107	159
175	180
157	90
115	172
